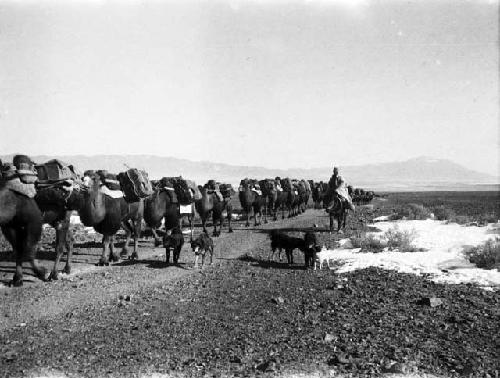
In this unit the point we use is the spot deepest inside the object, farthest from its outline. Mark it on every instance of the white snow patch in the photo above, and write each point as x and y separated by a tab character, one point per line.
443	258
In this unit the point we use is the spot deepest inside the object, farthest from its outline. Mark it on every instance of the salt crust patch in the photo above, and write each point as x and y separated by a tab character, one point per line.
443	259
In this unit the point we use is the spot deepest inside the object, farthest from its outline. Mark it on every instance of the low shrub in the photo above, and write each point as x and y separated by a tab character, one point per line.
443	213
462	219
414	211
393	239
485	256
368	243
401	240
484	219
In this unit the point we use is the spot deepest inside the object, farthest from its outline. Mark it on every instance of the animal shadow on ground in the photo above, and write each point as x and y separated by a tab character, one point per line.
153	264
265	264
294	229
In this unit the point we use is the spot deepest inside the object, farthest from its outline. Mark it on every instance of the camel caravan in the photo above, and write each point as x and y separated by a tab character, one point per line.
32	195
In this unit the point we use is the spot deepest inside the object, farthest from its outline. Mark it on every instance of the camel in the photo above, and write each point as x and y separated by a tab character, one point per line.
292	200
57	206
159	206
21	224
106	215
249	199
318	192
274	198
210	203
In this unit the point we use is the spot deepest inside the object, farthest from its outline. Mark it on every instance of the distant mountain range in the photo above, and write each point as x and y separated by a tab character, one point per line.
420	173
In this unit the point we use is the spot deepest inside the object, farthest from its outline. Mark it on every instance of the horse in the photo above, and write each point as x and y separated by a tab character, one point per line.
337	211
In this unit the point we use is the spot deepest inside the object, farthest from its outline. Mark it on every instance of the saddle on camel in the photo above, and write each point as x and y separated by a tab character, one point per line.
135	184
60	178
181	191
20	176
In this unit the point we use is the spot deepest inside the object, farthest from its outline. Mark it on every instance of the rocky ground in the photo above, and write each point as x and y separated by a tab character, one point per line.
245	316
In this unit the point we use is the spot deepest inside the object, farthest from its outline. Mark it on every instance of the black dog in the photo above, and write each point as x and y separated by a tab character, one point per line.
281	241
173	241
311	247
201	245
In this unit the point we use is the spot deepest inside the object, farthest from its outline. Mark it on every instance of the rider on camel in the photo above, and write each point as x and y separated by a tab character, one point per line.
338	186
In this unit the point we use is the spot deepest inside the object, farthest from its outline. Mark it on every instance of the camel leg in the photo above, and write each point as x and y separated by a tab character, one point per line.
113	256
69	250
156	237
128	232
17	280
137	235
221	224
257	215
331	224
247	210
60	236
204	223
30	238
104	260
229	211
134	227
214	223
191	224
167	255
11	236
265	213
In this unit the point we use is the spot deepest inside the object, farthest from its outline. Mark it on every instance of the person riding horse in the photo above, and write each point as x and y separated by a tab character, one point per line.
338	187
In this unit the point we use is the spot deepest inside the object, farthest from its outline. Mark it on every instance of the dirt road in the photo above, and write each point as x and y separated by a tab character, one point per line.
243	316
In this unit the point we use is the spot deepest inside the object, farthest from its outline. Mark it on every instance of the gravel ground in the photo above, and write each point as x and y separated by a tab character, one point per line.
244	316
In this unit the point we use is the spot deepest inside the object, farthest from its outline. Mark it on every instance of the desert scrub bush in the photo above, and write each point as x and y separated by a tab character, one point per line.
368	243
443	213
484	219
401	240
462	219
485	256
414	211
392	240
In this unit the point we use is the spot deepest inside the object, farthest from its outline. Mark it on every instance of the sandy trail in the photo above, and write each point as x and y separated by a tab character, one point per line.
92	284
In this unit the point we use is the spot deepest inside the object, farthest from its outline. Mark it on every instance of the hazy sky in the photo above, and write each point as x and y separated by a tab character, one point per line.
272	83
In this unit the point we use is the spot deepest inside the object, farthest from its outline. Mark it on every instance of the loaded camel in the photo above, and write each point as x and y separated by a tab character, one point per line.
21	224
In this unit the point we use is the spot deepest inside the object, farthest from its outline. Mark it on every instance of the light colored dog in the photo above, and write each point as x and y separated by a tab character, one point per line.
322	256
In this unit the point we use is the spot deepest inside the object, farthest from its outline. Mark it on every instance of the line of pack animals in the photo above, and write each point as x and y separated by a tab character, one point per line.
35	194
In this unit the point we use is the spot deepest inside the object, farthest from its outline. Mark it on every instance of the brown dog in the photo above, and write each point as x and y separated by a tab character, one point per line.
200	246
